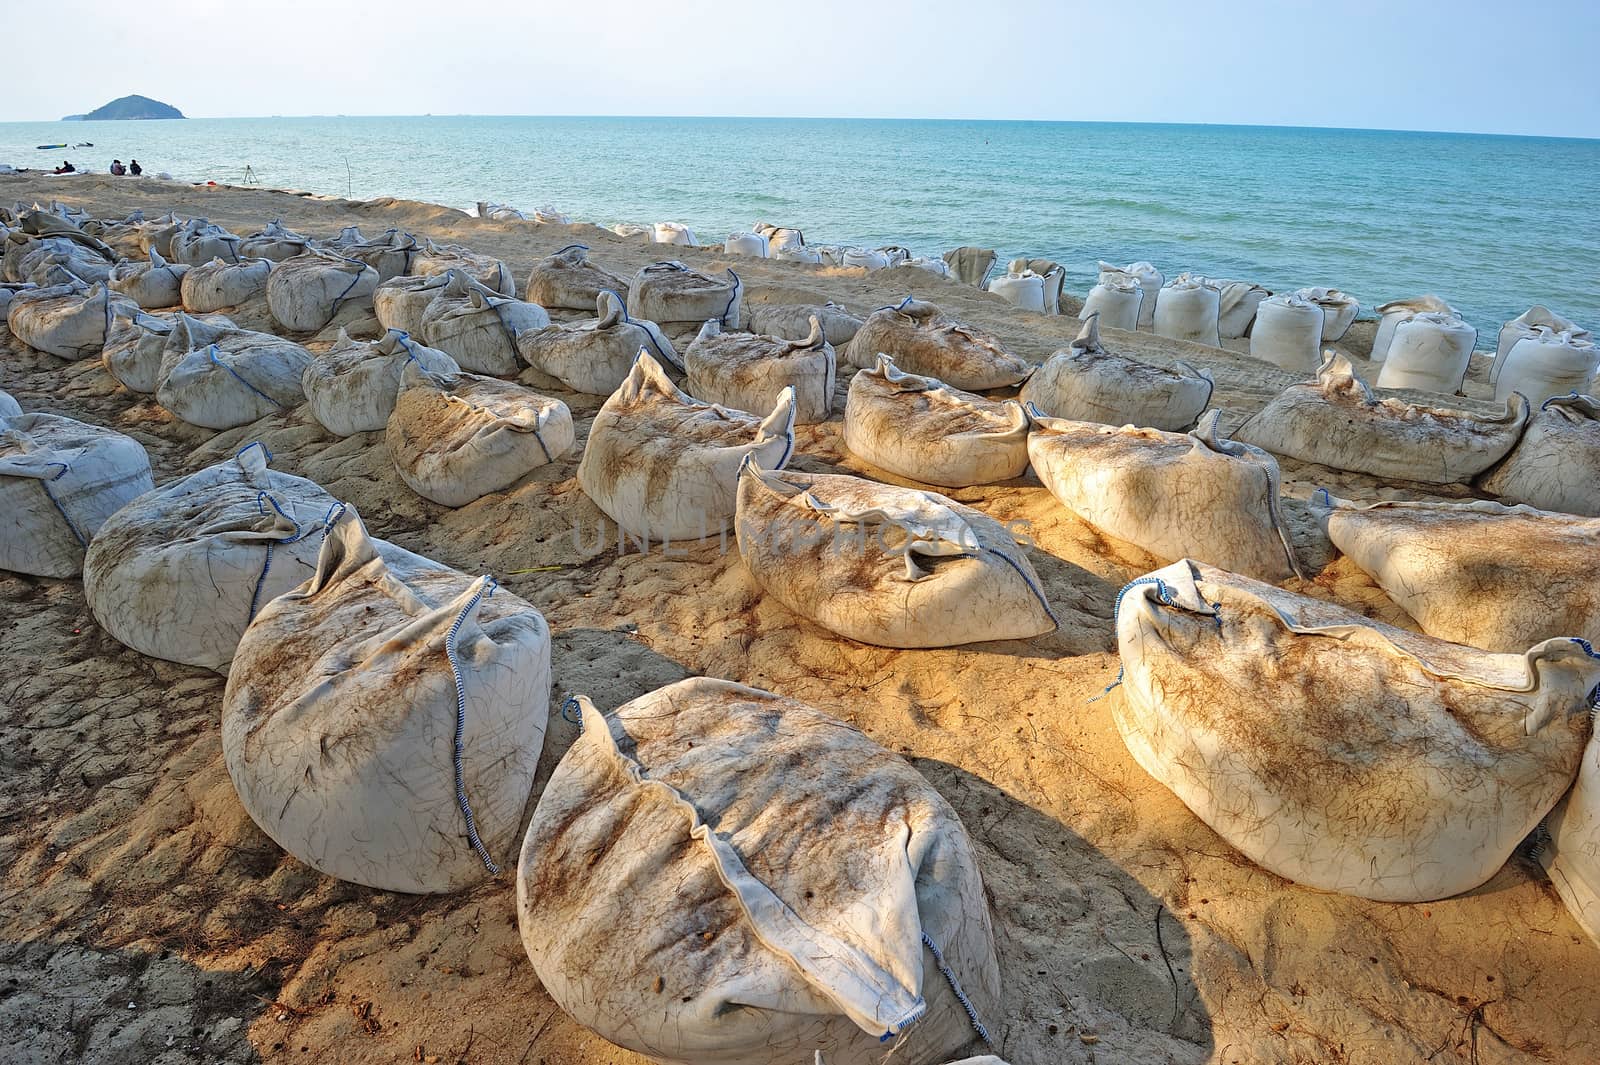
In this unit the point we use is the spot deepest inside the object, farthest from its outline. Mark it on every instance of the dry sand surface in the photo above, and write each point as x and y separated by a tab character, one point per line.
144	917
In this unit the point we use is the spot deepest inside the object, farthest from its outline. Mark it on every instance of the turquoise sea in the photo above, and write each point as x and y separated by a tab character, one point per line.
1491	223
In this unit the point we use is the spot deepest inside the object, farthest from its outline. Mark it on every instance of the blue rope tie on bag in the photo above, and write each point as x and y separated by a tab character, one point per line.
569	247
728	309
266	565
211	353
955	985
255	443
576	715
72	527
338	300
1162	592
1327	498
488	590
1556	399
648	332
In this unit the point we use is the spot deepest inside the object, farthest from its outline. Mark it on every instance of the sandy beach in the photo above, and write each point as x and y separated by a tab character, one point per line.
145	918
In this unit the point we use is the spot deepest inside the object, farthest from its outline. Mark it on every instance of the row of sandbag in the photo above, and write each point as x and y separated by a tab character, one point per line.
330	638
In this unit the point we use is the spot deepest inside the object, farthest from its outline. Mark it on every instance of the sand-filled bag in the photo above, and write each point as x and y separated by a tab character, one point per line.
232	383
199	241
351	387
1288	333
9	291
749	371
779	238
1546	364
922	339
1570	847
669	293
896	567
1528	324
478	328
1335	420
673	233
1480	573
457	437
1022	288
389	255
1150	282
1176	495
751	244
1556	464
1394	312
194	332
151	284
383	720
305	293
218	284
568	280
400	302
132	352
1337	751
1087	383
1237	303
484	269
765	915
921	428
1430	353
1338	310
664	466
9	405
792	321
70	321
1189	308
276	243
1116	300
60	480
596	355
178	573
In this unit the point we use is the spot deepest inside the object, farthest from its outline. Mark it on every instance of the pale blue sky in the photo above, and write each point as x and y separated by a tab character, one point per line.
1470	65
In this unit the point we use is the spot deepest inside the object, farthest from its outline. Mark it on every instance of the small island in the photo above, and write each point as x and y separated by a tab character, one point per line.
128	108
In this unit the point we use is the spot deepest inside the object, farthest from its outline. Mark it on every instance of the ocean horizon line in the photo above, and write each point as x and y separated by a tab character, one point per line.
848	118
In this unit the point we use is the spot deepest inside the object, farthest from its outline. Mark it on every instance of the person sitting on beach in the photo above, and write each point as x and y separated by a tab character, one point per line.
117	168
134	168
65	168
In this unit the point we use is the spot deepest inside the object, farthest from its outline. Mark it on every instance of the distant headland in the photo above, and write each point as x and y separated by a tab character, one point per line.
128	108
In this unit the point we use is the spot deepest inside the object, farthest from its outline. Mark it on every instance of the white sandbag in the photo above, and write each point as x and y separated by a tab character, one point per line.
669	293
9	406
216	285
936	267
1556	464
673	233
1480	573
1338	309
1396	311
843	552
1430	353
351	387
798	255
156	235
1547	364
1189	309
849	912
1119	301
664	466
568	280
832	254
549	216
457	437
749	371
779	238
1176	495
178	573
479	328
484	269
921	428
132	352
751	244
196	332
400	302
1288	333
1150	282
382	721
305	293
1525	325
896	254
1335	420
632	229
390	255
595	355
68	321
1570	849
1022	288
8	291
792	321
60	480
1087	383
864	259
1052	273
199	241
924	340
1237	304
220	388
500	212
275	243
1339	752
151	284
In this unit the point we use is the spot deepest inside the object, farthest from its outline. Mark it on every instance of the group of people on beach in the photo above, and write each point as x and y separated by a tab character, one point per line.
132	168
